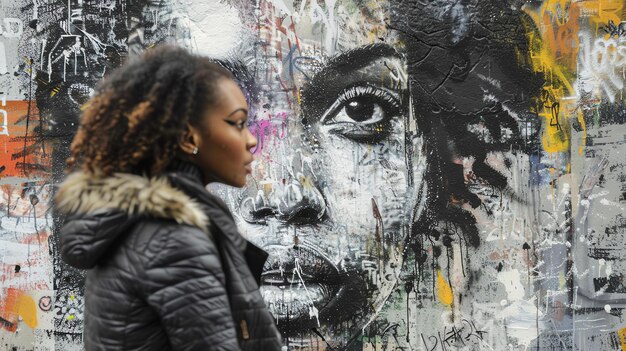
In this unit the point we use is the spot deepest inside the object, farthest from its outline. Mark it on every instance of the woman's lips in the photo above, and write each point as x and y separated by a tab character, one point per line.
297	282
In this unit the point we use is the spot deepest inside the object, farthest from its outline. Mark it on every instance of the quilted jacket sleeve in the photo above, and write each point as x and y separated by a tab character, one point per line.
186	287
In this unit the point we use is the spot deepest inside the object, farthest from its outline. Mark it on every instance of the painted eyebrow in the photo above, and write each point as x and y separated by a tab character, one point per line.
358	58
245	111
349	62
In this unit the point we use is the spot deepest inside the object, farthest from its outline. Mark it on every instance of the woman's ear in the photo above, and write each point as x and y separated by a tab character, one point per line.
188	140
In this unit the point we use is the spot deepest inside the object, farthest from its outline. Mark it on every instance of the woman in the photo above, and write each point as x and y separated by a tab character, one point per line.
167	268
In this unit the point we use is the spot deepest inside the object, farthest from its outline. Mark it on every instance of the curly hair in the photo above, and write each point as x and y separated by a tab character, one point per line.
134	121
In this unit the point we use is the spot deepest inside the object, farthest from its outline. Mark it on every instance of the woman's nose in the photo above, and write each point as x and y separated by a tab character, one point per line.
251	140
294	202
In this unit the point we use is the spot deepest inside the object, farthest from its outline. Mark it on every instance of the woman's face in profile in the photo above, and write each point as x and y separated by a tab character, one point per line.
222	139
339	167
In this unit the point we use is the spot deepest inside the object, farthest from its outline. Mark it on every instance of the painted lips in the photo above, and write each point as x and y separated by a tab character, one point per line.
297	282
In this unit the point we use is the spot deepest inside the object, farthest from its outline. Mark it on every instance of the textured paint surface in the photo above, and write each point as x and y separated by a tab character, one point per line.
430	175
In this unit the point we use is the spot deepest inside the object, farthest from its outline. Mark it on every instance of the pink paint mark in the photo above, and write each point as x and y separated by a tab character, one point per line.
266	130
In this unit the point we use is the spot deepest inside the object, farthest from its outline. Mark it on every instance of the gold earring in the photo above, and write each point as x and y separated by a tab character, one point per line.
195	151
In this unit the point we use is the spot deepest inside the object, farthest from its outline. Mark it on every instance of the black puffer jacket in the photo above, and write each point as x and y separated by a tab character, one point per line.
160	277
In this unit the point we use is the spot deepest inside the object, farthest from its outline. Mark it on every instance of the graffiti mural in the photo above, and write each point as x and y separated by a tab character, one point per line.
430	175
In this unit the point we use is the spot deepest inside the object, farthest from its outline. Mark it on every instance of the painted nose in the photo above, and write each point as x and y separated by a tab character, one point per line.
294	202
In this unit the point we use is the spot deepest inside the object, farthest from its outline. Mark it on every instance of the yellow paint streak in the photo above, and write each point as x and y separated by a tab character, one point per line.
86	105
444	291
602	11
306	182
622	338
27	309
583	125
553	52
55	91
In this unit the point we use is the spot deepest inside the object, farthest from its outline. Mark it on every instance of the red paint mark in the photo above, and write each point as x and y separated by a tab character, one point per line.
8	309
12	146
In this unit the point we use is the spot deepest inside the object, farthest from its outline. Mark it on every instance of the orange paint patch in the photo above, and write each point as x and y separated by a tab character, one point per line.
14	153
15	305
601	12
27	309
8	310
444	291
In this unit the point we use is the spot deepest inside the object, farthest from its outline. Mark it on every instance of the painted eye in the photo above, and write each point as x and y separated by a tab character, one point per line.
361	110
363	113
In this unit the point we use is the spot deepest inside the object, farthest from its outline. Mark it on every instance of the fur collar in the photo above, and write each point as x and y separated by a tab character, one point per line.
83	193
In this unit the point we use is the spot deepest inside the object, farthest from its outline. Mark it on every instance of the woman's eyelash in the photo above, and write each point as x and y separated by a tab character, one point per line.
240	124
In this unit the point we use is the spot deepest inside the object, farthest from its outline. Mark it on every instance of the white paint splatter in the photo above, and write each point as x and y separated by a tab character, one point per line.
521	321
215	27
512	284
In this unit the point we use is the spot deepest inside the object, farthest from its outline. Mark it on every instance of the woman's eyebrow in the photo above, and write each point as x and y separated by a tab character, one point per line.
245	111
352	61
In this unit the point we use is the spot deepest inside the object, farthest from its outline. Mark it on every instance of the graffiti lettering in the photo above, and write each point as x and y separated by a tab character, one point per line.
455	336
614	30
603	62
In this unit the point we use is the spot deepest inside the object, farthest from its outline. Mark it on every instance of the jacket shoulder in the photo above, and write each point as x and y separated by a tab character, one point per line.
155	238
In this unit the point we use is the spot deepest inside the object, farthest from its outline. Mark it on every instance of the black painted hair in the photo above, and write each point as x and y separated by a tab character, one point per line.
445	41
135	120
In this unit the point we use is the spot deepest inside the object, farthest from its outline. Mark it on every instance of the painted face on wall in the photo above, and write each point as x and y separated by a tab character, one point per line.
339	181
332	198
339	171
371	237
